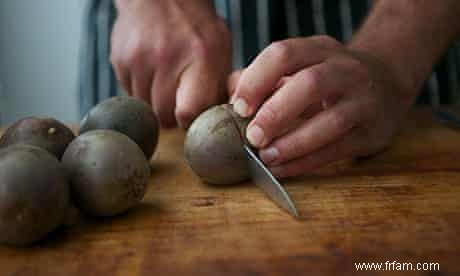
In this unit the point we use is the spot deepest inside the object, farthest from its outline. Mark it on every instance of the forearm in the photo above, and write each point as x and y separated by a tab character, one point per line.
409	36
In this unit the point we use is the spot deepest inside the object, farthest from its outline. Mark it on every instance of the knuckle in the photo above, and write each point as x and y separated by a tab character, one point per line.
163	53
245	88
327	41
357	67
354	63
118	57
313	78
136	53
279	50
267	118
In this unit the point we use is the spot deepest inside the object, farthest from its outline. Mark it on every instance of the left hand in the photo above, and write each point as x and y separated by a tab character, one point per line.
315	101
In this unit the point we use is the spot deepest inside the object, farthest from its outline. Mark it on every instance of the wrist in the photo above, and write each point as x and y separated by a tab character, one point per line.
408	75
398	34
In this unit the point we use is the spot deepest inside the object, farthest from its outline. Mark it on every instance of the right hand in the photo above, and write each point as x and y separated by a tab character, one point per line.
174	54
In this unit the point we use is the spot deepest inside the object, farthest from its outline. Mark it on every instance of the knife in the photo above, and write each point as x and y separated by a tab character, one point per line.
265	180
262	176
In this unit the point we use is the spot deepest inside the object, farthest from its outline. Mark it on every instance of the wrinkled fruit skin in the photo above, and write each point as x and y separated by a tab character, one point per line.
127	115
34	194
46	133
213	146
108	172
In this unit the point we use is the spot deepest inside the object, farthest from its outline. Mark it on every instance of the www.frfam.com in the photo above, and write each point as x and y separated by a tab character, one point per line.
397	266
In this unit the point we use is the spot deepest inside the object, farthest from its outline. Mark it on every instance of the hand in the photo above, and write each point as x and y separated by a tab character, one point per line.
174	54
315	102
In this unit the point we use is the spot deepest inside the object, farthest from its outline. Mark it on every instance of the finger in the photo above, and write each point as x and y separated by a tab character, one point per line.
123	78
348	147
309	112
198	89
232	81
235	76
324	128
141	83
118	63
305	88
276	61
163	96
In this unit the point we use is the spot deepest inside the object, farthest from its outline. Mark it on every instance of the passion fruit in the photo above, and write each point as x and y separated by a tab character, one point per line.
108	172
213	146
45	133
34	194
128	115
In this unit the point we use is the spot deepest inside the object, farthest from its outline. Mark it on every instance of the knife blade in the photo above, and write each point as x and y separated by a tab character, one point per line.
265	180
262	176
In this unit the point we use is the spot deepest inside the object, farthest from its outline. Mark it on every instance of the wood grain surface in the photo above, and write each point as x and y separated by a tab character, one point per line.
402	205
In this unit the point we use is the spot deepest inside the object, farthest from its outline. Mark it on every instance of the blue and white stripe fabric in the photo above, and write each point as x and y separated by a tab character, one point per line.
97	78
254	25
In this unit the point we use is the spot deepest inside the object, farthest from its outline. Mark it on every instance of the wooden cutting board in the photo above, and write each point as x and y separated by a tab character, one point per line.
402	205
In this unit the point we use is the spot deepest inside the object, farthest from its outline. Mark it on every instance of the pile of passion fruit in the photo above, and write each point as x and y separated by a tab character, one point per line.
45	168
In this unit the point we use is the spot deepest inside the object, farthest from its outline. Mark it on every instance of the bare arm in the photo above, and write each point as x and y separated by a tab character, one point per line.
409	36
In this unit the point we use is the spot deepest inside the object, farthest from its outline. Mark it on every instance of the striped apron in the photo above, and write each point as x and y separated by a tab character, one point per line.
254	24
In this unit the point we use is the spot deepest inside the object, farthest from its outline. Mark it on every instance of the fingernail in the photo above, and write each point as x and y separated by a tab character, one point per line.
269	155
241	107
256	136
